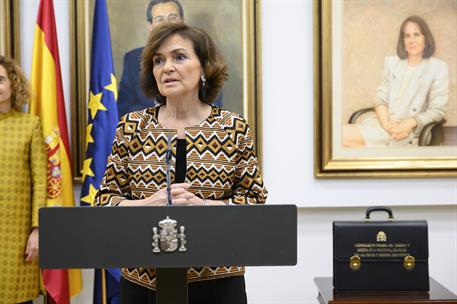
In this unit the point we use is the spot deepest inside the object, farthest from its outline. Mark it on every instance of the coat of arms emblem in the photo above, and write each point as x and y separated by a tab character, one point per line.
381	236
166	237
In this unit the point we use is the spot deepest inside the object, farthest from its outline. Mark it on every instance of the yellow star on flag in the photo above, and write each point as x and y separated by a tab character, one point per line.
89	138
90	198
95	104
112	86
86	168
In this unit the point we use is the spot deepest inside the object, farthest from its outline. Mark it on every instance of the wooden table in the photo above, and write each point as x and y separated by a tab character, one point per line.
438	294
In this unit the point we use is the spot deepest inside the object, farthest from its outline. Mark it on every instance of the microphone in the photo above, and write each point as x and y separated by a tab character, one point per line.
168	175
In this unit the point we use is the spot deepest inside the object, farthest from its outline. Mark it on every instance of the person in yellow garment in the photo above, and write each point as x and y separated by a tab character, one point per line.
23	182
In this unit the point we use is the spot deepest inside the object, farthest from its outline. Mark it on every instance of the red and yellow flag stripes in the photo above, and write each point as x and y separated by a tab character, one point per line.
48	103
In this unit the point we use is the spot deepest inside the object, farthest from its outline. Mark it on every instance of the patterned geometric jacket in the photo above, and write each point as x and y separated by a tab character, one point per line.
220	164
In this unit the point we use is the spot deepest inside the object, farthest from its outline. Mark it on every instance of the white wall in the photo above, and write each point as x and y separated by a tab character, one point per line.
28	15
287	29
288	122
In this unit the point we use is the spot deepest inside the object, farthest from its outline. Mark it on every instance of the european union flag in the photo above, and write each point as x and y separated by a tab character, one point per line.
100	132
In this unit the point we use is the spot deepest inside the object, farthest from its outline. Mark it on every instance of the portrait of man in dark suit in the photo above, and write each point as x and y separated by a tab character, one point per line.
131	97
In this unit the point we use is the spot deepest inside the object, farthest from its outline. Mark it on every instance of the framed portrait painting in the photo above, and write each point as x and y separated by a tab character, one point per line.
3	30
385	88
9	28
233	24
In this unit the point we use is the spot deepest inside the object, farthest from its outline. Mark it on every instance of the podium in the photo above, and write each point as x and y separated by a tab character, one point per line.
114	237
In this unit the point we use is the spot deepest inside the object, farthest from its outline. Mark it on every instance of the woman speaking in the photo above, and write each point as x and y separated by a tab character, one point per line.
214	161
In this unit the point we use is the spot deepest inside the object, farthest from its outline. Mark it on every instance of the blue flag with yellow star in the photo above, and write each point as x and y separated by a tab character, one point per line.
101	127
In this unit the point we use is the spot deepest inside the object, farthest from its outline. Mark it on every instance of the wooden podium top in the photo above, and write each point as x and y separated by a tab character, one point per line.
438	294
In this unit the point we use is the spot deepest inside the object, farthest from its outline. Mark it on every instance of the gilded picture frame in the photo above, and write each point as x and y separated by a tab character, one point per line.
351	41
9	29
3	30
242	92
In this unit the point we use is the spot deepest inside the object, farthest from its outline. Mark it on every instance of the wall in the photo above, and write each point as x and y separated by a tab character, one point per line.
288	170
28	14
288	165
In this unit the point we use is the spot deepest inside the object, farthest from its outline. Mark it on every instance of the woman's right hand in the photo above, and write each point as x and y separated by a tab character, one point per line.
389	126
384	119
159	198
404	128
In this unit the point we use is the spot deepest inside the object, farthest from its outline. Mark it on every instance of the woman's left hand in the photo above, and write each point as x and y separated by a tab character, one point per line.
188	198
31	251
404	128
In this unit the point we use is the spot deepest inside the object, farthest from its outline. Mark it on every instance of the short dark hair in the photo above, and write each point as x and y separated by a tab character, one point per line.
153	3
20	88
429	47
214	66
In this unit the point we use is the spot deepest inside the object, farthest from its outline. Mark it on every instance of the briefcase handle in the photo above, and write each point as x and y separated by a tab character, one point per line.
379	208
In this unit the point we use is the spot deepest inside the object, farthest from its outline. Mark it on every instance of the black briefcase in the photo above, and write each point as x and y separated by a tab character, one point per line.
386	255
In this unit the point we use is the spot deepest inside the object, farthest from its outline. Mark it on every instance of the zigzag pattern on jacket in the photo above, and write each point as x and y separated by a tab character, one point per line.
220	164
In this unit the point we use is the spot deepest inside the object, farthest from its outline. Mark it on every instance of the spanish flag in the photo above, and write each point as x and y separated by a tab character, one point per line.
48	103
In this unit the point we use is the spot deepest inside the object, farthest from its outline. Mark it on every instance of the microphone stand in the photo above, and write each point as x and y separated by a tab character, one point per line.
168	163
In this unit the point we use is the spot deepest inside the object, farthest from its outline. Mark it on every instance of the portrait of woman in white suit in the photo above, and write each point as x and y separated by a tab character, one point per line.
413	92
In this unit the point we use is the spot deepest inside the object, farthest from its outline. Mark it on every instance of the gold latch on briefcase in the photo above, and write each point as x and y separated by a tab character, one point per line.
355	263
409	262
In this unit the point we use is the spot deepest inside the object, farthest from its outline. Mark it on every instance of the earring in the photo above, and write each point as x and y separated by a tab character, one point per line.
203	79
202	91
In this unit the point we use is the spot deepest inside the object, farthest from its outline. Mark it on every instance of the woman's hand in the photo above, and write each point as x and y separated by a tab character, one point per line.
188	198
180	195
160	198
389	126
31	250
402	129
382	114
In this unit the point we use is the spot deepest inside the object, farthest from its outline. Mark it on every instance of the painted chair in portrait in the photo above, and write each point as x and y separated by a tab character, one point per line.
431	135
